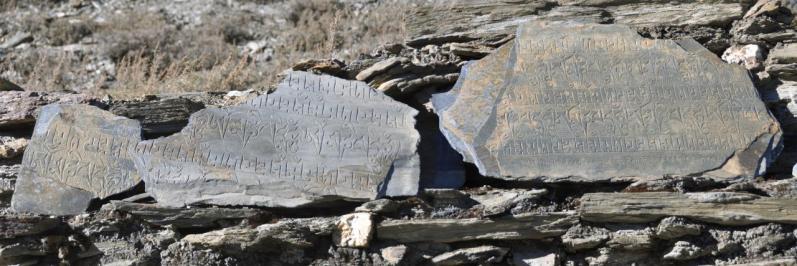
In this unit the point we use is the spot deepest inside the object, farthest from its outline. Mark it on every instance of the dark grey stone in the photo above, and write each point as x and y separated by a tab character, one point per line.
315	139
568	101
441	166
77	153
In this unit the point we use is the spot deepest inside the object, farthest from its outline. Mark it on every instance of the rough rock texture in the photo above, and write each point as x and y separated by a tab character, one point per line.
317	138
582	237
159	116
187	218
20	108
675	227
737	208
685	251
77	153
11	147
474	255
531	110
354	230
525	226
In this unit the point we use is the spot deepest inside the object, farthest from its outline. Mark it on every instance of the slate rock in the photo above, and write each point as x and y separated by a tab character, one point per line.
522	226
76	153
737	208
680	15
481	255
6	85
20	108
193	218
13	226
315	139
547	107
158	117
782	62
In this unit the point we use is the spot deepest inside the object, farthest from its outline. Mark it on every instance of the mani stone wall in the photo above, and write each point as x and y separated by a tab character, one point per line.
590	102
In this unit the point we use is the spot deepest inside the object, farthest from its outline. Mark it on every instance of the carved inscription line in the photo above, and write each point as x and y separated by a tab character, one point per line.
268	169
304	82
306	107
682	143
630	96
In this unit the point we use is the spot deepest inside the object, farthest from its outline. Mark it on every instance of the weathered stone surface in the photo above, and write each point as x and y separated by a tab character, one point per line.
499	201
686	14
737	208
523	226
188	218
675	227
19	108
12	226
469	20
315	139
158	116
11	147
481	255
631	239
685	251
548	107
394	255
77	153
584	237
6	85
782	62
750	56
534	257
354	230
284	241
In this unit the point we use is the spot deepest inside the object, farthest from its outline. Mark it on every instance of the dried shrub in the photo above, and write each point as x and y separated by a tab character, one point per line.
140	74
68	31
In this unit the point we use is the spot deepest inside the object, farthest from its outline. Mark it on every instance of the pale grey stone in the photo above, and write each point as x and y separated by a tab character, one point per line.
584	237
685	251
354	230
569	101
675	227
315	139
77	153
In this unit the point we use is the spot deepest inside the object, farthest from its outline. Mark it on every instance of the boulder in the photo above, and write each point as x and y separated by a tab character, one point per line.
315	139
77	153
547	107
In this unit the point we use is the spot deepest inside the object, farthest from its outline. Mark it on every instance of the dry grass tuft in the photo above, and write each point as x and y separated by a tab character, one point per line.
139	74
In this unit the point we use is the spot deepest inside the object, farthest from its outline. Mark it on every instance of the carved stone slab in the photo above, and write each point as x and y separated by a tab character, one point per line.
77	153
316	138
588	101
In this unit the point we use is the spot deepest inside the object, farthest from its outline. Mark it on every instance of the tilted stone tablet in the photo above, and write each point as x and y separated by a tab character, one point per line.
568	101
314	139
77	153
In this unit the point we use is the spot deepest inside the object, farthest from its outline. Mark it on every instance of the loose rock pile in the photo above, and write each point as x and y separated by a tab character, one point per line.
513	133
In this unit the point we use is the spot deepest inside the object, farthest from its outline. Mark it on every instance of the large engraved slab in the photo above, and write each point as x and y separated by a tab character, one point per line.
588	101
314	139
77	153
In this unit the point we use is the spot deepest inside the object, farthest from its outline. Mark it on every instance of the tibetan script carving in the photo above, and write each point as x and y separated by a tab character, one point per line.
315	138
77	153
588	101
